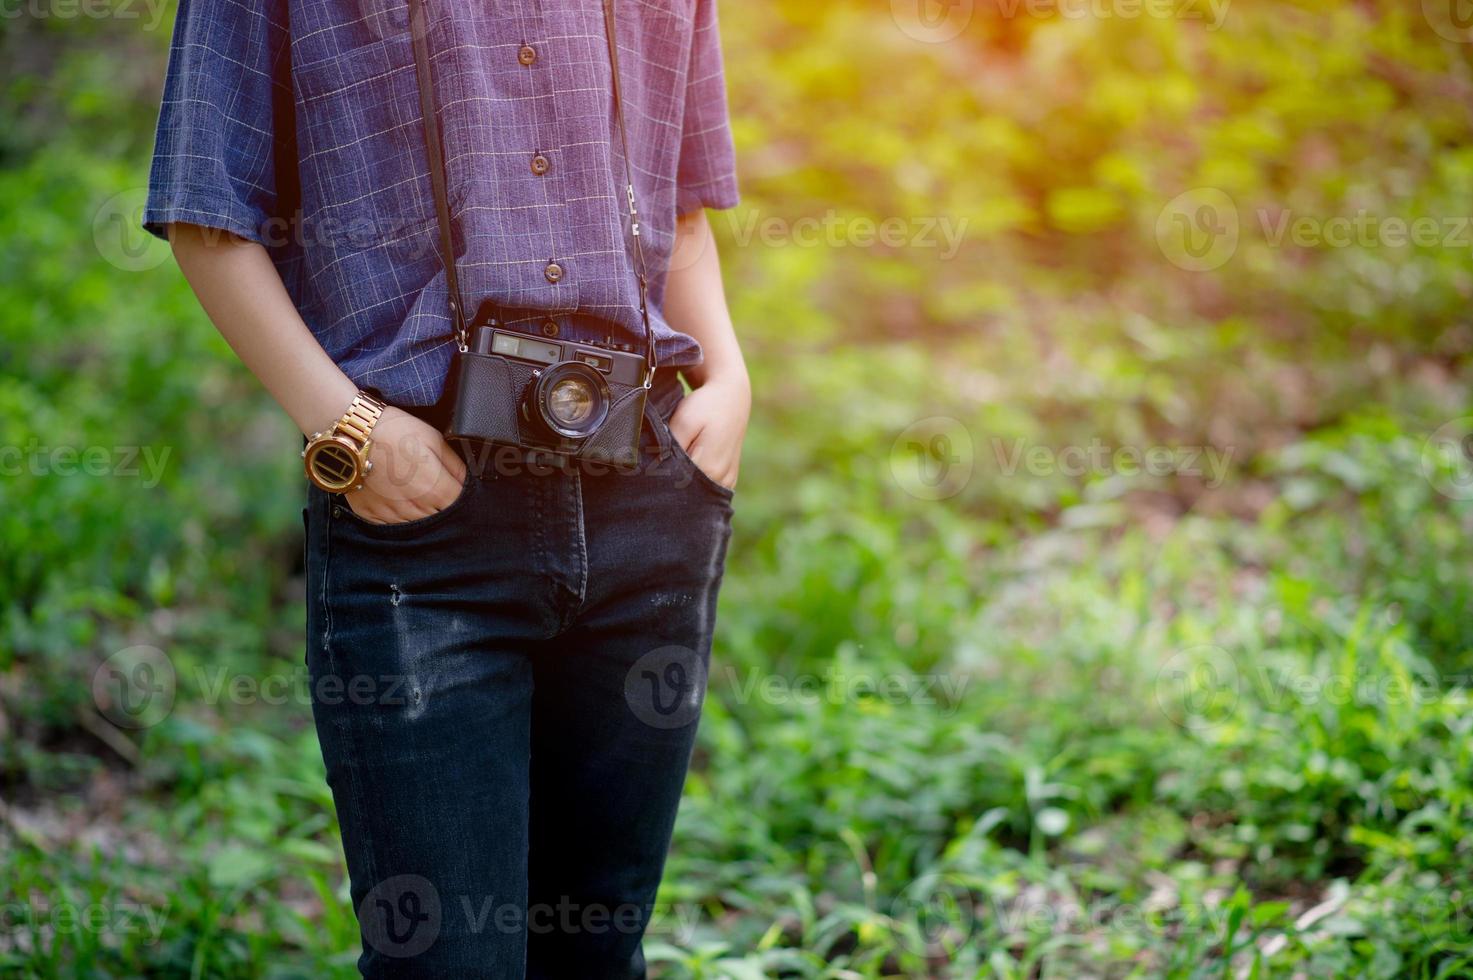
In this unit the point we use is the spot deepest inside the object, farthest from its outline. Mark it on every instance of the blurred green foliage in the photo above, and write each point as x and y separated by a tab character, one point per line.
1089	721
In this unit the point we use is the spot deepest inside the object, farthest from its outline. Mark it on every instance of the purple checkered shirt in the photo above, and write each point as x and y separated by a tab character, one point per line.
296	124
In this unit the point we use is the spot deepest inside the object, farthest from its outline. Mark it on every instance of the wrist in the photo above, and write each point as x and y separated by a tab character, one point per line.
325	407
731	375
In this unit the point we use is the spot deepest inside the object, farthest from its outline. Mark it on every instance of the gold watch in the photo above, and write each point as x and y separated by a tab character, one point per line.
337	460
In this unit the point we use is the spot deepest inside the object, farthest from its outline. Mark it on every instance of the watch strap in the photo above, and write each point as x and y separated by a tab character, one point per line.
358	421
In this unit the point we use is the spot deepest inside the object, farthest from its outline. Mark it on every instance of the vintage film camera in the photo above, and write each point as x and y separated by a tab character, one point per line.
580	400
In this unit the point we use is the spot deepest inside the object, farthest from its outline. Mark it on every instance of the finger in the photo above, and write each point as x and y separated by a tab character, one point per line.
695	449
689	437
369	516
450	459
413	510
710	447
683	428
396	510
721	474
449	479
444	486
706	459
442	498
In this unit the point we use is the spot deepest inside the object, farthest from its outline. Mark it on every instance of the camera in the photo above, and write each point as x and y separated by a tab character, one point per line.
577	400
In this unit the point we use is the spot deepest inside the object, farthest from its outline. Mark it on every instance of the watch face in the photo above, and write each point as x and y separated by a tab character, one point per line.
332	466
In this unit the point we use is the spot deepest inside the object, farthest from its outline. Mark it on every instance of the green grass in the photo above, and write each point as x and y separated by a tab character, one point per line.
1208	722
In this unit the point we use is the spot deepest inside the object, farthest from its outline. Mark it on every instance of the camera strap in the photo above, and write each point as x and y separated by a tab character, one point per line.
435	150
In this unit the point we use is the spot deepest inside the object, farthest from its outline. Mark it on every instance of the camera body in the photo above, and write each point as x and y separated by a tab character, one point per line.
576	400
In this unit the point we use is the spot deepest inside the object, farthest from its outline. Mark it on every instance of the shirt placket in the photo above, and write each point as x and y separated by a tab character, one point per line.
538	56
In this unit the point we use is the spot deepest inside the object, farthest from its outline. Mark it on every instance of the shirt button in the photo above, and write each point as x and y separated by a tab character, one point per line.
541	165
527	54
549	328
553	272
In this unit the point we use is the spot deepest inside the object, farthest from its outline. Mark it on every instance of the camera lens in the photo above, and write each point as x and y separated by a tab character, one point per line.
572	399
571	402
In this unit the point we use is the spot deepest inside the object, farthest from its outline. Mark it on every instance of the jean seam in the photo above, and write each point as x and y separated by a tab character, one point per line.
577	487
349	726
326	608
570	598
539	488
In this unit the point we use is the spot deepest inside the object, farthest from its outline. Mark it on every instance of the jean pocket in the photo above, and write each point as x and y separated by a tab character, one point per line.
419	525
698	476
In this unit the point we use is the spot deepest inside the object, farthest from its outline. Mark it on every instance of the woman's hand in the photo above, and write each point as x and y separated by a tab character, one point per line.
415	472
711	422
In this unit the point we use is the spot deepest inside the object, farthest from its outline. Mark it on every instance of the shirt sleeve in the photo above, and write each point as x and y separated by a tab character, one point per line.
707	172
220	121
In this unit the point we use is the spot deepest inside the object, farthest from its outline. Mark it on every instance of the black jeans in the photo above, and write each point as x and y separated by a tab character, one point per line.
506	693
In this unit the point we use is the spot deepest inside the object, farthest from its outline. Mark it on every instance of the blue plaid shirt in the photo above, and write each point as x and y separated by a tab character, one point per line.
309	108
